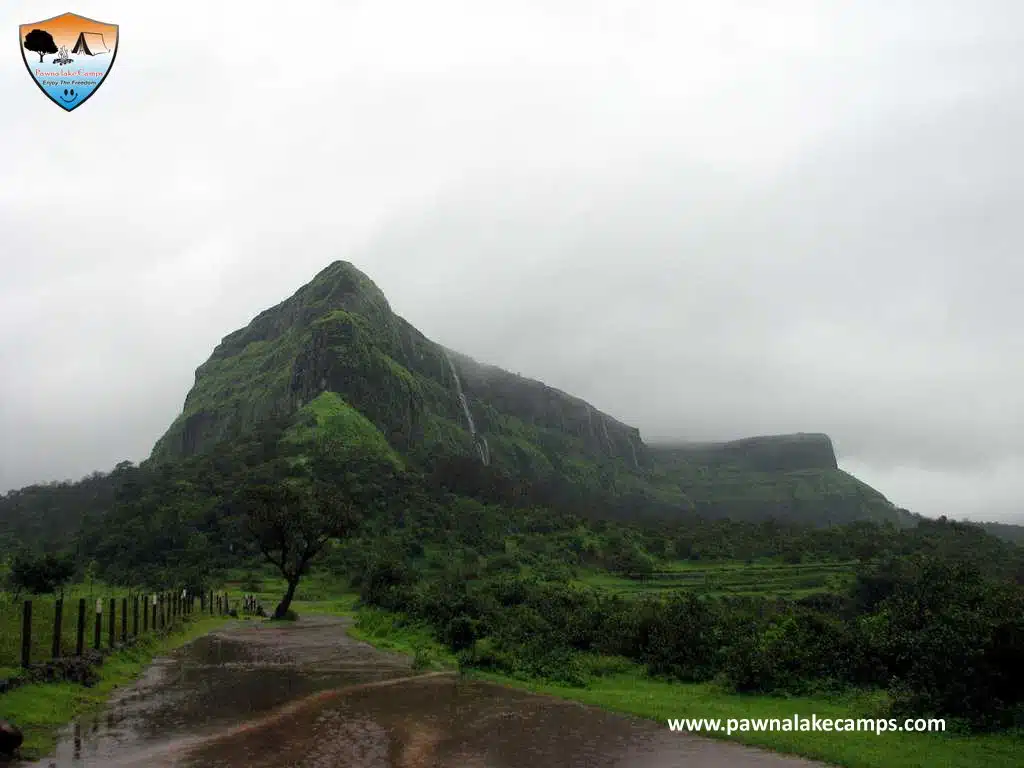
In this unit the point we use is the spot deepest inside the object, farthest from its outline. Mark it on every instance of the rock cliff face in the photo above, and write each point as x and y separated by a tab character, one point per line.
548	408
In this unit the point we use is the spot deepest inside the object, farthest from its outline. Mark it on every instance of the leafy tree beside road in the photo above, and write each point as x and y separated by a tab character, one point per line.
292	511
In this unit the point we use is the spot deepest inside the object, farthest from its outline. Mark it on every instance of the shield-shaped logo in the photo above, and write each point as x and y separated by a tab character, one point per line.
75	56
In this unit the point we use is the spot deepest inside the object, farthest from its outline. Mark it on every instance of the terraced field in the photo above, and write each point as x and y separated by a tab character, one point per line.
761	579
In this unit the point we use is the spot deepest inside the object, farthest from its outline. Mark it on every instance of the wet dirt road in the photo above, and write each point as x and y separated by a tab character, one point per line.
306	694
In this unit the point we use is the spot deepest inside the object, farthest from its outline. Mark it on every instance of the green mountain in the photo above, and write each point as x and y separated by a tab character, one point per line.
335	355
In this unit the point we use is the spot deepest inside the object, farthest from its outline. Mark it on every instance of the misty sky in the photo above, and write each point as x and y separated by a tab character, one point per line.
710	219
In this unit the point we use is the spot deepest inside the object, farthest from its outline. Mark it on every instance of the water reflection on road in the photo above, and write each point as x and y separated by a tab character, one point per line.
308	695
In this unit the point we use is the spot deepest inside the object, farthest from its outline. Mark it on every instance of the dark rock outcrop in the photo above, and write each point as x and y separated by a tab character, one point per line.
72	669
10	738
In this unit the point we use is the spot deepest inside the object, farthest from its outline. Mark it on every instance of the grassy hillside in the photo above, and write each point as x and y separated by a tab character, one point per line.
329	418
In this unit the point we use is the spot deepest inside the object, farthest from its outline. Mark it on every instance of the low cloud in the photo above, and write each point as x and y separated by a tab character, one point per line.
710	220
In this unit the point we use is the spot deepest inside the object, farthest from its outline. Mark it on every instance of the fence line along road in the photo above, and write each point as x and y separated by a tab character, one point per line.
159	612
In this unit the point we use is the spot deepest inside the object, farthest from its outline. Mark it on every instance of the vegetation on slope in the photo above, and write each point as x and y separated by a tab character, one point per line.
338	335
328	419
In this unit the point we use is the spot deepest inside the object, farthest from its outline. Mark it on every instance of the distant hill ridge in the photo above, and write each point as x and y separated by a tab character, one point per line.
337	334
765	453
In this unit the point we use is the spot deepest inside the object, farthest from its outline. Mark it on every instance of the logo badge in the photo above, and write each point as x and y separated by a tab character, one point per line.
68	56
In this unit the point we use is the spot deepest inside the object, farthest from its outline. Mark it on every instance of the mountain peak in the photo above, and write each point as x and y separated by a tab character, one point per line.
338	334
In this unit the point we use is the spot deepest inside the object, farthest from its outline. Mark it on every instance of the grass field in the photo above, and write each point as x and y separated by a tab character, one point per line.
757	579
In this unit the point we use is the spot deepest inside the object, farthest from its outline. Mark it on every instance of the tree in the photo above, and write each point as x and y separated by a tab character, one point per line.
41	42
40	575
292	519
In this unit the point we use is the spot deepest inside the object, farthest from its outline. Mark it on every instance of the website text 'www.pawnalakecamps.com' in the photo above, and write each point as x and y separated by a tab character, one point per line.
812	723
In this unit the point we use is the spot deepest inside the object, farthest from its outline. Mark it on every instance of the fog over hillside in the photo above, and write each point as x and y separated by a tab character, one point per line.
710	220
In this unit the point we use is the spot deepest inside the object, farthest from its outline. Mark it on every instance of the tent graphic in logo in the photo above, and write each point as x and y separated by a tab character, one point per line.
75	56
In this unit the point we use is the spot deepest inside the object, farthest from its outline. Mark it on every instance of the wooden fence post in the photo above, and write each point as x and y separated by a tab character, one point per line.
99	623
58	616
26	633
145	613
153	608
111	622
80	642
124	619
135	617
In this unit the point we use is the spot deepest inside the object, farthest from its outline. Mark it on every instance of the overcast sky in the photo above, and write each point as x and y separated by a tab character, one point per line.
710	219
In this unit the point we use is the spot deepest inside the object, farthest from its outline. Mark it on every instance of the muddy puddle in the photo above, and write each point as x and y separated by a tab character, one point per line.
306	694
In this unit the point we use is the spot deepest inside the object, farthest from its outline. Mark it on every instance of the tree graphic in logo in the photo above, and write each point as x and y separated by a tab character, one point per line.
87	45
41	42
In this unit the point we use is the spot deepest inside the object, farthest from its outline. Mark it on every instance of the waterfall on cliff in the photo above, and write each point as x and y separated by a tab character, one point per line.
479	441
607	437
